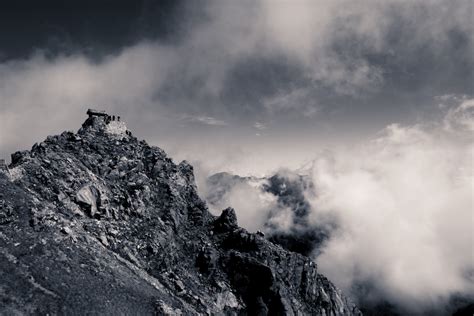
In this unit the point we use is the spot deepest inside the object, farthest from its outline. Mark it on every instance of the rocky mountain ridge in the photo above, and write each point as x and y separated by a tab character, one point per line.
98	222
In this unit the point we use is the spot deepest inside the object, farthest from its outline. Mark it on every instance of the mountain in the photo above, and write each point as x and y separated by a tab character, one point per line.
98	222
290	190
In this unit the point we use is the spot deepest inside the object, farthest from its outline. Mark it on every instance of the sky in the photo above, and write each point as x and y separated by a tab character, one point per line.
267	82
377	96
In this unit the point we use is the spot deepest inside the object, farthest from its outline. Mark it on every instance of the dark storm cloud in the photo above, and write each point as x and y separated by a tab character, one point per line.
93	28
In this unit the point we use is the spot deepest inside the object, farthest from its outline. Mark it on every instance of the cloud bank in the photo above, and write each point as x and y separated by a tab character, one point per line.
399	209
405	212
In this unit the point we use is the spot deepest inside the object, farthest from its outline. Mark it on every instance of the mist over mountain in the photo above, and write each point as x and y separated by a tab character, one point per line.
366	214
285	208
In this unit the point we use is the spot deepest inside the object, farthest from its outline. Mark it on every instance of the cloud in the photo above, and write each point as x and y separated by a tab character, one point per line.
460	118
252	207
390	219
404	208
207	120
245	60
40	94
333	40
251	204
300	100
260	126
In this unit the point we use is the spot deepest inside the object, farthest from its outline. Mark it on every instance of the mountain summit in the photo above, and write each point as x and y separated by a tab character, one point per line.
98	222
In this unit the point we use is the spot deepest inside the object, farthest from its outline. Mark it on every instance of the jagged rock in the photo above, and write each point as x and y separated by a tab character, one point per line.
149	245
18	156
227	221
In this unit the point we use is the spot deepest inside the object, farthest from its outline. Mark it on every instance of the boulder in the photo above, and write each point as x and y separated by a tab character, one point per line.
87	198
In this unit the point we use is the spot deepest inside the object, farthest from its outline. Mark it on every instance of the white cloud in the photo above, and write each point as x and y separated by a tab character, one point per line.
404	203
252	206
44	96
260	126
299	101
461	117
207	120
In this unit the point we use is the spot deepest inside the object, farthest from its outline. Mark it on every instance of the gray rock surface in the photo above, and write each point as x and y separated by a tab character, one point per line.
98	222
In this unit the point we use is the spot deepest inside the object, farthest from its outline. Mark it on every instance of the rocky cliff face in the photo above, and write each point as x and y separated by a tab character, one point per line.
98	222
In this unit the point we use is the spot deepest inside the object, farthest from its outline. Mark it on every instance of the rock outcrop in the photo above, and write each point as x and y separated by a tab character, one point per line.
98	222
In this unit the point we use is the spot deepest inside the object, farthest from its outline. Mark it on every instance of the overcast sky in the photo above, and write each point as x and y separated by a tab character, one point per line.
279	78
